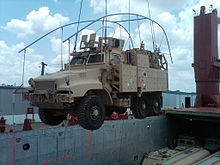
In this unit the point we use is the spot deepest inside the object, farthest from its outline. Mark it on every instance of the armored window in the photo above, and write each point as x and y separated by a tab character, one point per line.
96	58
77	60
116	43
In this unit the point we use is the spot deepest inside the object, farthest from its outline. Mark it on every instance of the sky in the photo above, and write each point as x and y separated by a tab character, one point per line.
23	21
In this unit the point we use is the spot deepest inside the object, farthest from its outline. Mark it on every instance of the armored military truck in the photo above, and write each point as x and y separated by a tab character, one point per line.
101	78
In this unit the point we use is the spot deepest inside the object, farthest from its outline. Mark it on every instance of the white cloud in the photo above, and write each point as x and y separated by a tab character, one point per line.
11	64
37	22
119	33
56	48
139	6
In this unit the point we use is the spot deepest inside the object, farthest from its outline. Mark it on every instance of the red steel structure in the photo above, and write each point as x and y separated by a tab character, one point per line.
206	63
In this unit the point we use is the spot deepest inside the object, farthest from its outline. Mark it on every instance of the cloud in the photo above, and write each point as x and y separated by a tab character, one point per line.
56	48
141	6
11	63
37	22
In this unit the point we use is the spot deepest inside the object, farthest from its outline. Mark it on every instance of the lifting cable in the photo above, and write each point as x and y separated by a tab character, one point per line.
69	54
161	40
22	81
78	25
106	5
61	48
120	31
139	30
129	23
152	27
68	79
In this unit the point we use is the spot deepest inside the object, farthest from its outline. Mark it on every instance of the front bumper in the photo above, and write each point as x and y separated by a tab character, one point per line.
48	98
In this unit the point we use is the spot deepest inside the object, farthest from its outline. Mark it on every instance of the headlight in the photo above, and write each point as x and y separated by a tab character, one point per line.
31	82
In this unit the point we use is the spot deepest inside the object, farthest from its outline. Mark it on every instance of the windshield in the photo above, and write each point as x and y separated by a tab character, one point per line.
77	60
96	58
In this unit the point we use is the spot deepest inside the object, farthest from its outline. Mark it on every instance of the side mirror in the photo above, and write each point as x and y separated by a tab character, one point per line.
109	48
67	80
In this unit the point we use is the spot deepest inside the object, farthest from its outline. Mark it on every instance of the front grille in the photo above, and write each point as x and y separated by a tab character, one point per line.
45	85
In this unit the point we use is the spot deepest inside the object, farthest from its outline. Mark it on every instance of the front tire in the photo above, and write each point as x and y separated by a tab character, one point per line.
47	117
91	112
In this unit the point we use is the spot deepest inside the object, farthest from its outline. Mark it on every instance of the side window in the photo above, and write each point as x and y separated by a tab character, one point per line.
96	58
77	61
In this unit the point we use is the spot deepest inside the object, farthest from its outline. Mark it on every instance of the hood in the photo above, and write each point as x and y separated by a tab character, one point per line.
59	75
63	80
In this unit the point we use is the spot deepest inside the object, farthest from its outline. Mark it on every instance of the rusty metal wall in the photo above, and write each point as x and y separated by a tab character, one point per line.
116	142
206	63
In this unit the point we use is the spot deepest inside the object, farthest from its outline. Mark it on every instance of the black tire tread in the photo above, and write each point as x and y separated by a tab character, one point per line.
84	104
47	118
135	106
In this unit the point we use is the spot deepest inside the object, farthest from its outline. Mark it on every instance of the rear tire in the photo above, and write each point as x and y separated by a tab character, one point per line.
47	117
139	108
155	104
91	112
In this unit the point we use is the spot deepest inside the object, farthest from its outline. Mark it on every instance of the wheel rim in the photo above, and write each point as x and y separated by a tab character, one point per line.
143	106
95	113
156	106
143	109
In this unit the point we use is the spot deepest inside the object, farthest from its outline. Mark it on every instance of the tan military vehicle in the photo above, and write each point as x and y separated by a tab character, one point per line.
100	79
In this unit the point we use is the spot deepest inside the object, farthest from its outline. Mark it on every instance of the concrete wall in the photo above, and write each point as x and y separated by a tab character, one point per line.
116	142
